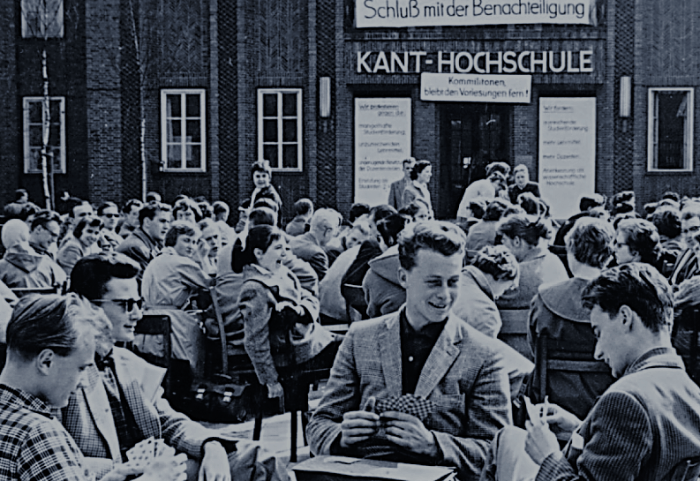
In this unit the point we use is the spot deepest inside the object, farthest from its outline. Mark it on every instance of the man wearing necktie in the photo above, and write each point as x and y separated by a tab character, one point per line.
121	404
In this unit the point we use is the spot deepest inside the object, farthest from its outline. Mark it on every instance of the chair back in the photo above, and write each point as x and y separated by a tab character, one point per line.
550	359
514	330
686	470
159	325
355	302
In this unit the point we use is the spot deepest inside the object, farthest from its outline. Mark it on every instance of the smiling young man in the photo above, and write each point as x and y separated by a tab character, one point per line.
646	423
109	281
422	350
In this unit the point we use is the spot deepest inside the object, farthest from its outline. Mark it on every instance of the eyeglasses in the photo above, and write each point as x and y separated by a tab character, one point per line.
110	216
126	304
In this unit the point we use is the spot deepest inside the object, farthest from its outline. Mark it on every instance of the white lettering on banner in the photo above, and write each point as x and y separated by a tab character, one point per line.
437	13
496	62
566	152
382	142
442	87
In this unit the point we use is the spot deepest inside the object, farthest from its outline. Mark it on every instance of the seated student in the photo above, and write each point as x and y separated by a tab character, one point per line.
209	246
483	232
310	245
381	285
421	350
352	236
82	242
269	291
522	184
119	407
644	425
303	210
50	346
187	210
145	243
557	312
170	281
493	272
526	237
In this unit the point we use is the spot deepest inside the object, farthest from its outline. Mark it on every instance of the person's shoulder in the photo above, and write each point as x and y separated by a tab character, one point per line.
371	327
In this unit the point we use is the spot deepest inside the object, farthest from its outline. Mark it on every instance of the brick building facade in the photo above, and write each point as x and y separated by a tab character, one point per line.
224	83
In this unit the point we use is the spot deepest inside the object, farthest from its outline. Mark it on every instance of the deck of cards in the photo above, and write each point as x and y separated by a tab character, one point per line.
407	404
144	453
535	413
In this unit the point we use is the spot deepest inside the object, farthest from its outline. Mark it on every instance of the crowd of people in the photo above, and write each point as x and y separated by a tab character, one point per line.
611	286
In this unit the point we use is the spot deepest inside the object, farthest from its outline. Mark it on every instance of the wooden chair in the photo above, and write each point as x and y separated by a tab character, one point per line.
295	384
686	470
158	325
355	302
550	359
514	330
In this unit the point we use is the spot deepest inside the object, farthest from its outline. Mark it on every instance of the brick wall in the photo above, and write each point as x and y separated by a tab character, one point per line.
103	100
10	116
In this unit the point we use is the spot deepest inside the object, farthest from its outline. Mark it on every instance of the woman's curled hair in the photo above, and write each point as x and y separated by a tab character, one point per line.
529	228
497	261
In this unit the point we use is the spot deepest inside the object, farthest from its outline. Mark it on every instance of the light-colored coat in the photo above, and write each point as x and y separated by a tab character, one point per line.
464	376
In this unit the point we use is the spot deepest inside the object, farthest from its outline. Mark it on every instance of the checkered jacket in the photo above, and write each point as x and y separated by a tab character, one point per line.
464	376
33	445
89	420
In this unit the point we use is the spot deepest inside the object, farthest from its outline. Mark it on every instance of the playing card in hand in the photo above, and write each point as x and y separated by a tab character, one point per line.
143	453
407	404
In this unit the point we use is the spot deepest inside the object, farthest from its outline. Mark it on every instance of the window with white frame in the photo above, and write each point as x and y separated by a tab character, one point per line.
670	130
34	115
183	132
279	128
42	18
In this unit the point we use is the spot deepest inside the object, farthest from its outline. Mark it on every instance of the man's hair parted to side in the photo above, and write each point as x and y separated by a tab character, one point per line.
91	273
439	236
150	210
590	241
47	321
636	285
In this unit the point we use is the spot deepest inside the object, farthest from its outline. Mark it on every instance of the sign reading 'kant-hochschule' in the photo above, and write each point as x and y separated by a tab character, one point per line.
436	13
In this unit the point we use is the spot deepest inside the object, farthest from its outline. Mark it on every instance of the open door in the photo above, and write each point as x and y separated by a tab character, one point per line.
472	136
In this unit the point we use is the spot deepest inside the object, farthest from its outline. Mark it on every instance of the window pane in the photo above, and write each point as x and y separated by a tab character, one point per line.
270	153
56	159
174	133
35	112
289	130
174	109
174	157
269	105
194	132
289	153
289	105
35	139
672	115
34	160
192	105
269	131
55	111
55	135
194	156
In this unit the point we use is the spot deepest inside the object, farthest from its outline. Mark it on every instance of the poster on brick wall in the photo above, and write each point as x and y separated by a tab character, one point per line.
382	142
567	144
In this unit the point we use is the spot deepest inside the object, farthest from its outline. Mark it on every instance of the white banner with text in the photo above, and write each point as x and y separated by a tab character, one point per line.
443	87
439	13
382	142
566	152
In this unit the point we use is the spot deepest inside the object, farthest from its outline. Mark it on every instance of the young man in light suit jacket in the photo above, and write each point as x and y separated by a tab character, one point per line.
118	408
422	350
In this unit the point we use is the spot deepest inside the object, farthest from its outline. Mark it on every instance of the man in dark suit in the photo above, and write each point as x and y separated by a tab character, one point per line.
396	189
645	425
146	242
121	404
421	350
309	246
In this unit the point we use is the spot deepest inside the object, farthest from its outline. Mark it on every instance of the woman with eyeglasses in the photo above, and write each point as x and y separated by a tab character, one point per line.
272	301
527	237
170	281
82	242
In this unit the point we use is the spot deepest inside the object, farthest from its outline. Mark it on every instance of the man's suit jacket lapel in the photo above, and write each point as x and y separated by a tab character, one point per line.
145	414
99	407
390	353
440	359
